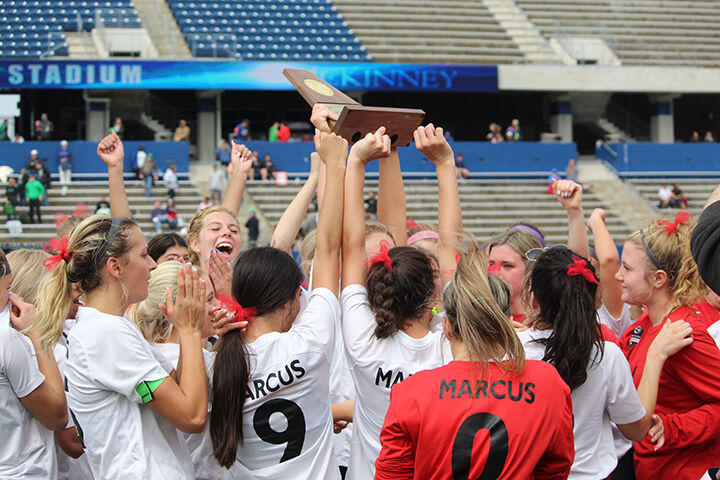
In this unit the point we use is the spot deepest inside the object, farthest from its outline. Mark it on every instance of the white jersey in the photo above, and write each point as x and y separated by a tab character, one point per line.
341	386
287	419
376	365
111	371
608	395
26	450
69	468
199	444
617	325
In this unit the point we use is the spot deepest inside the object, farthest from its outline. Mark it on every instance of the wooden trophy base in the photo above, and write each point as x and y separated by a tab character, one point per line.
354	120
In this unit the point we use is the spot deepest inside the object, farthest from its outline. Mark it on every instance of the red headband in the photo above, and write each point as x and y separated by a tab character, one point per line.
56	245
681	217
383	257
579	267
241	314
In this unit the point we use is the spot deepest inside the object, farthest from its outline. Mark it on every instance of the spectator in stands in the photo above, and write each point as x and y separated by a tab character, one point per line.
139	161
4	130
169	216
273	132
44	128
268	170
204	203
242	131
283	132
258	167
147	174
493	130
665	195
222	153
709	138
34	193
253	227
217	184
678	198
461	170
182	132
170	180
498	138
64	166
156	212
118	128
44	177
571	172
695	138
9	210
371	207
552	178
512	134
18	138
33	158
103	206
12	192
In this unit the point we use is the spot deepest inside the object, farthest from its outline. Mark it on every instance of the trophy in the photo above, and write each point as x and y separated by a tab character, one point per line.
354	120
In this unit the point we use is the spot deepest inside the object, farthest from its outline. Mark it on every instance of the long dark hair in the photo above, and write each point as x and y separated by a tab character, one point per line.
567	305
403	293
264	278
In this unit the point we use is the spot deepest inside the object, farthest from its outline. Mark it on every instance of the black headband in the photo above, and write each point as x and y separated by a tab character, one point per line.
649	253
114	228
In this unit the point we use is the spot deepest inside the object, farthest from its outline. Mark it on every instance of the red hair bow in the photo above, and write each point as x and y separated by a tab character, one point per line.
579	267
494	269
60	218
232	305
681	217
56	245
410	223
383	257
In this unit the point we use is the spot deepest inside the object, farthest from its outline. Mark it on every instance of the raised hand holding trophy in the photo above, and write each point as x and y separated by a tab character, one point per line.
354	120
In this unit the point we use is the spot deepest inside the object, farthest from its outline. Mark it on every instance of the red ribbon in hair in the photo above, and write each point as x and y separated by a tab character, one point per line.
241	314
579	267
56	245
681	217
410	223
81	210
494	269
383	257
60	218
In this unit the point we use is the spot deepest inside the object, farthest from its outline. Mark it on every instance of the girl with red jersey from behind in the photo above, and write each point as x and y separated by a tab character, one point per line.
565	333
488	413
658	272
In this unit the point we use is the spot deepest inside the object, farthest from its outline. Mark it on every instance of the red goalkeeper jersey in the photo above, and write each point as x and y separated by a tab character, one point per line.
688	400
446	423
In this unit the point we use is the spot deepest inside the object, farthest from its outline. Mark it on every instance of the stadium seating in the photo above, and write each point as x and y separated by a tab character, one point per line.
267	30
489	206
696	189
35	28
90	192
456	31
647	32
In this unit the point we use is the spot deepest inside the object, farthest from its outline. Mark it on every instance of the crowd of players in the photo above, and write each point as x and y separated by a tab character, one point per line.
396	350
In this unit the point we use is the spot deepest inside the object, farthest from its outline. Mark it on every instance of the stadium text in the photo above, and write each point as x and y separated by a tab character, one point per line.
73	74
397	79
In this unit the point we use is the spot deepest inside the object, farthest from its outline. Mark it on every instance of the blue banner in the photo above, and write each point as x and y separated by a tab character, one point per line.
641	157
196	75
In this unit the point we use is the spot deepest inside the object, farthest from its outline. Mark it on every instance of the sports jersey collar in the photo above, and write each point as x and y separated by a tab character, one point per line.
415	343
264	339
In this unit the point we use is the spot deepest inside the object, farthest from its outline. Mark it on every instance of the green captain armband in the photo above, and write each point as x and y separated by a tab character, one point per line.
146	389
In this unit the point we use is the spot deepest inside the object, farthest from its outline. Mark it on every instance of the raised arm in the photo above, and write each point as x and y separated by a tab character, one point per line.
392	210
241	158
609	259
324	120
47	402
431	142
111	151
289	224
569	194
333	152
354	257
184	403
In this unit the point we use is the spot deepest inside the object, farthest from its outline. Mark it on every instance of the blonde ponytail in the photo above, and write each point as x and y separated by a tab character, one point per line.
50	315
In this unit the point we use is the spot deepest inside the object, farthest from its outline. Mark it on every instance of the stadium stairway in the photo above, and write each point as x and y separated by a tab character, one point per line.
89	192
489	206
696	189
